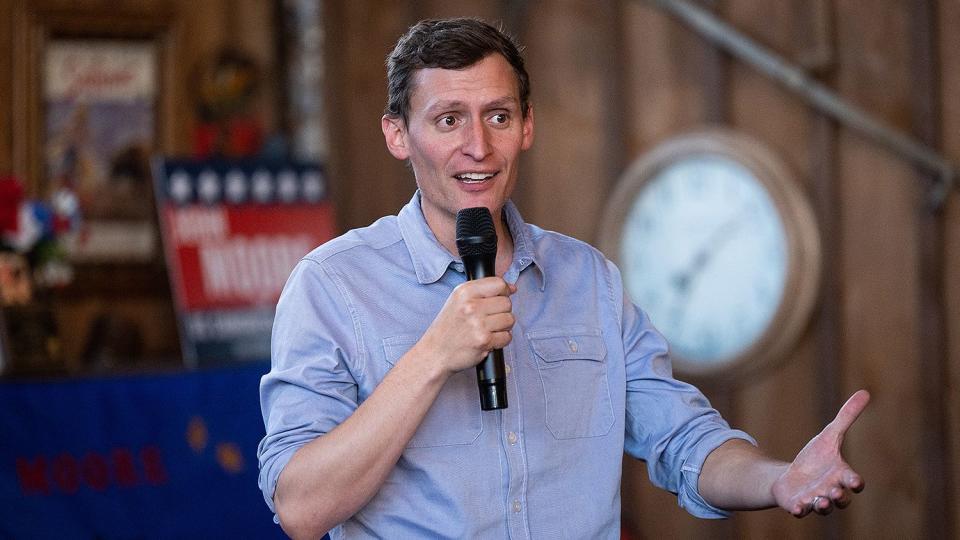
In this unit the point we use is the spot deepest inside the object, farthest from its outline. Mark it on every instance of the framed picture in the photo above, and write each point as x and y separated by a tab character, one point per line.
92	103
100	118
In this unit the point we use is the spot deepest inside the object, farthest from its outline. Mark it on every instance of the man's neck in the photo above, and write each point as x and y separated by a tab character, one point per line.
445	231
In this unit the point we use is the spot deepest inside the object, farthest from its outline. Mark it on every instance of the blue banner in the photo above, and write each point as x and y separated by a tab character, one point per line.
163	456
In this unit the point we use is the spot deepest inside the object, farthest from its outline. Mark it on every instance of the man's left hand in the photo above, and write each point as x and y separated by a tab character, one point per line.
819	479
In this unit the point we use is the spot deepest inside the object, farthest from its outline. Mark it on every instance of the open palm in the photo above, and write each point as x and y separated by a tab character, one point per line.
819	479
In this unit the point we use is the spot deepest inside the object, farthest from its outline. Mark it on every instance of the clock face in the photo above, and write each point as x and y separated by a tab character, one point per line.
717	243
704	252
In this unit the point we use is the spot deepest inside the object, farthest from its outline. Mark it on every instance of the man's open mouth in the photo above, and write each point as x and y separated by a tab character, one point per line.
474	178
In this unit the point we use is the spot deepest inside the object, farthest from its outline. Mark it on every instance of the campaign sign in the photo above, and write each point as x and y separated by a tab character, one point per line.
151	456
232	232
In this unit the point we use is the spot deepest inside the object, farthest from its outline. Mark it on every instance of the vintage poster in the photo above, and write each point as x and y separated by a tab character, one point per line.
100	125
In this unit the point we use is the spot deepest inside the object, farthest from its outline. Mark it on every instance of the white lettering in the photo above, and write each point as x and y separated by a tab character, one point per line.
193	225
249	269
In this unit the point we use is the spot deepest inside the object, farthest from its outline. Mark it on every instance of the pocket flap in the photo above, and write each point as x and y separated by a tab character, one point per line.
396	346
571	345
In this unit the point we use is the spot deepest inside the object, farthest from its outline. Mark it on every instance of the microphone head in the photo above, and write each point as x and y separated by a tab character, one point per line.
475	232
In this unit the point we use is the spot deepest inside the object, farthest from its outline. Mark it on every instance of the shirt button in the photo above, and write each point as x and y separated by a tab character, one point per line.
507	368
573	345
516	506
512	438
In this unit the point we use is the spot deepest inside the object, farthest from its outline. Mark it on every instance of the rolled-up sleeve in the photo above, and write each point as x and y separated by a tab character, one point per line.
310	388
669	424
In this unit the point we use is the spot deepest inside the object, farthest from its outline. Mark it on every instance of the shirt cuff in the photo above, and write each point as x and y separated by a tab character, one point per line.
689	494
270	476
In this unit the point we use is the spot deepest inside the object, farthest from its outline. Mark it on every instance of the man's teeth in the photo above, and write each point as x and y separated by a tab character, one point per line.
472	178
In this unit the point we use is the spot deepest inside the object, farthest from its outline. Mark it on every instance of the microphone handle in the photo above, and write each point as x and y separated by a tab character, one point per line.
492	381
491	374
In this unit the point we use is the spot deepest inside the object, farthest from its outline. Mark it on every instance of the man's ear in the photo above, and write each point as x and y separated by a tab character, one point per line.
395	135
527	140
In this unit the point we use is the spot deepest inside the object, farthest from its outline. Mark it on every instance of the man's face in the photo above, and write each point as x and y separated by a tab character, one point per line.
463	137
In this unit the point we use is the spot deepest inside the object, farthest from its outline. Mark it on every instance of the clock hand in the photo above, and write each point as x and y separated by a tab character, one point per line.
682	280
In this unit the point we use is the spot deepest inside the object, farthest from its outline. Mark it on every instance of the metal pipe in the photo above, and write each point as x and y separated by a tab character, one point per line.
825	100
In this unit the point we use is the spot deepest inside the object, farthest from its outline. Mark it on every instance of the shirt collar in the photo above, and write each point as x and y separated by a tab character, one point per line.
431	259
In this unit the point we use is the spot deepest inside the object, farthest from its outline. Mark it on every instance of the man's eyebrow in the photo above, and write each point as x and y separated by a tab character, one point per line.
502	103
448	105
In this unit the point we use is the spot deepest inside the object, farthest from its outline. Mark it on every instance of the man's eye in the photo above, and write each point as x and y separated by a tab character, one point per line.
500	118
448	121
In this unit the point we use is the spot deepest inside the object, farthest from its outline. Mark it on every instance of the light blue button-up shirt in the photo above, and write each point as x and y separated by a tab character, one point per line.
588	377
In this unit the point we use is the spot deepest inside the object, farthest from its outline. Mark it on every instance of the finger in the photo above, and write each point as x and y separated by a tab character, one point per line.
499	340
496	304
852	481
486	287
802	507
820	505
495	282
840	497
799	510
849	413
499	322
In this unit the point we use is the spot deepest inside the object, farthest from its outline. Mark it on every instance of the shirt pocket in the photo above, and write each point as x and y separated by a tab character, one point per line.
454	418
573	371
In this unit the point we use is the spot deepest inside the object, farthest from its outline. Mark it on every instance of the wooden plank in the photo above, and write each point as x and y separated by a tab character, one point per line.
665	95
947	22
880	338
881	334
366	181
6	88
565	169
487	10
828	319
933	353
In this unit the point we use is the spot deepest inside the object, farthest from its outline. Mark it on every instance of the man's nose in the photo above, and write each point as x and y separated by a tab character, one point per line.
477	141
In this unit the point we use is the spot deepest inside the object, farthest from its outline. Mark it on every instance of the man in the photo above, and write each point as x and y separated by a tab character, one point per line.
371	407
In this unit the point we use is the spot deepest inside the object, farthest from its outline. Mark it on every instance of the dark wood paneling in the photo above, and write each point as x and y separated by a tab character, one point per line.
565	174
828	319
6	88
948	21
662	62
366	181
933	354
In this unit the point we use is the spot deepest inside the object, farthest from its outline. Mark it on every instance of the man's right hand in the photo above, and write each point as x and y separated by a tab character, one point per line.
475	319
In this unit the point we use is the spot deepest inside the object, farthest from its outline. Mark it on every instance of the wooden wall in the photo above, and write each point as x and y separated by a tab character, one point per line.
613	78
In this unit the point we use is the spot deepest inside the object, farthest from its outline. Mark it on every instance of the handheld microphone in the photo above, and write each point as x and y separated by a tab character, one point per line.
477	244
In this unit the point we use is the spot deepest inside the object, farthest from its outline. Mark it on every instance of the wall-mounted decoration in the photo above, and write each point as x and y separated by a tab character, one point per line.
229	124
100	120
719	246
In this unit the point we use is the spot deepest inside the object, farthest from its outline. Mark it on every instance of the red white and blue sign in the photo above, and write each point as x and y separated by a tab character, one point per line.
232	233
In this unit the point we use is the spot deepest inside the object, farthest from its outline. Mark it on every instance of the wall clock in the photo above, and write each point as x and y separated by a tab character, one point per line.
716	242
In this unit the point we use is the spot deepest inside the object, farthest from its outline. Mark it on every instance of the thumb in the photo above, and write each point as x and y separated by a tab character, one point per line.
849	413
